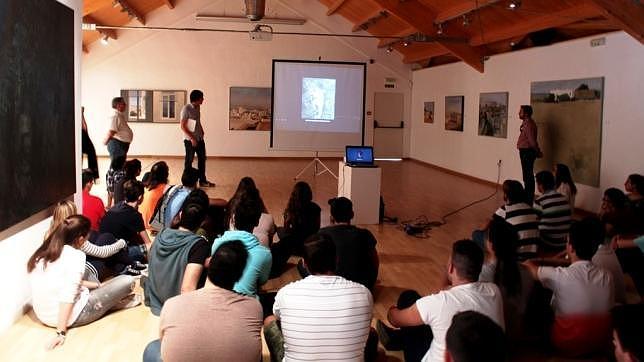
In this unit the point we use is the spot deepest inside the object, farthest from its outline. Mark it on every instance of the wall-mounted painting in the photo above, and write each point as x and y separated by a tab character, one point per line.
157	106
454	113
569	116
493	114
428	112
250	109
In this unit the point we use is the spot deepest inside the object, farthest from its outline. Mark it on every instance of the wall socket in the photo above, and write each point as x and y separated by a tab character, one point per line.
499	163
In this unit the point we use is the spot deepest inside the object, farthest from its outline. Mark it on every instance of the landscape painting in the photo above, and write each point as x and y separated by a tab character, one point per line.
250	109
493	114
428	112
569	116
454	113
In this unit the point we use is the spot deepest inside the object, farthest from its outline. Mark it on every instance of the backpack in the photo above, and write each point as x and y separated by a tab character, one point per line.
157	222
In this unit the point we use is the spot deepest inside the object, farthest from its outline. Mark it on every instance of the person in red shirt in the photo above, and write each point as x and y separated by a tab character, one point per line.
528	150
93	207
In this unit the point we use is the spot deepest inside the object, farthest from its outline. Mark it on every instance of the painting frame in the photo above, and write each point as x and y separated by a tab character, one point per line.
154	105
454	113
493	114
250	109
428	112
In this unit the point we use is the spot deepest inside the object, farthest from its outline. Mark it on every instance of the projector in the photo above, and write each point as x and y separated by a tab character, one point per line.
260	35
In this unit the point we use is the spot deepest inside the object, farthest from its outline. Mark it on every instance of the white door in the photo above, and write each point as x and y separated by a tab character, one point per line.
388	134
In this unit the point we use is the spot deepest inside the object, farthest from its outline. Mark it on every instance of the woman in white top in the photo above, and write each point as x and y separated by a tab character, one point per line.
565	184
60	297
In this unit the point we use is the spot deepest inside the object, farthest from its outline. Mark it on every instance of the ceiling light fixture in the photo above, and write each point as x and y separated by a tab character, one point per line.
104	40
405	43
515	4
439	29
466	21
390	49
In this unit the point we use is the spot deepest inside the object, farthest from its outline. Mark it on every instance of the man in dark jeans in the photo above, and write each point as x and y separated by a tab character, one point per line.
193	136
528	150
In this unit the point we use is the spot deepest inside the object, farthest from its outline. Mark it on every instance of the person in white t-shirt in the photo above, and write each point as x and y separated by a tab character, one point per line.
436	311
474	337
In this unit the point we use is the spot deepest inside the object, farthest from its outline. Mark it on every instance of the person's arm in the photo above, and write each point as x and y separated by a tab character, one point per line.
90	285
623	242
533	268
266	270
191	277
64	312
408	317
146	239
531	135
184	128
109	136
104	251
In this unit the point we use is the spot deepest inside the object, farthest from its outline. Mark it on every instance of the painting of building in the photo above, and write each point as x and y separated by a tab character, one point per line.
454	113
250	109
493	114
428	112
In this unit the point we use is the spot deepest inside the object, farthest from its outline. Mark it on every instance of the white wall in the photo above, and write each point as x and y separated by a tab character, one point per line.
16	249
620	62
214	62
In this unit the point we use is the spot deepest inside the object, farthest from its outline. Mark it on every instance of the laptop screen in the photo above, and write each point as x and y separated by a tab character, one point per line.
359	155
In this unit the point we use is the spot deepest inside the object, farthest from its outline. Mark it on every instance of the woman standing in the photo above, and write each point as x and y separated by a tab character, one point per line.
60	297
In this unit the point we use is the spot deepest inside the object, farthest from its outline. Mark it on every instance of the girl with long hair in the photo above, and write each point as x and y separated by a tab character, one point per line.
265	229
60	297
564	183
158	181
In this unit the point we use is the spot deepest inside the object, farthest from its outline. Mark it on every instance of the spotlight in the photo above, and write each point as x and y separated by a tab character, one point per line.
513	44
515	4
439	29
405	43
104	40
466	21
390	49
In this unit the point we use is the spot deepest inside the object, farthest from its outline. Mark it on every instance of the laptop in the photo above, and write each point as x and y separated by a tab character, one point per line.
359	156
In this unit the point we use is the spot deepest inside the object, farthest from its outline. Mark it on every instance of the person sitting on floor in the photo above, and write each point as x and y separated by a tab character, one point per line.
554	213
114	175
177	259
628	333
355	247
124	221
60	297
606	258
156	187
93	207
424	322
323	317
212	323
265	229
169	205
245	217
582	295
564	183
474	337
634	186
132	170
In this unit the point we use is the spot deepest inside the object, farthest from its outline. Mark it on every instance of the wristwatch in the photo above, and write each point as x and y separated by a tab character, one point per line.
61	334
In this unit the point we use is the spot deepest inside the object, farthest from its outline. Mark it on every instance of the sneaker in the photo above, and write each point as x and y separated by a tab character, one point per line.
129	270
206	184
138	265
388	337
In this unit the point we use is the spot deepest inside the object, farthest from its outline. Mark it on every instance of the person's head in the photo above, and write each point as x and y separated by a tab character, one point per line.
196	96
132	169
545	181
585	237
474	337
320	255
525	111
118	103
563	176
133	191
513	192
465	261
301	196
341	210
635	184
158	175
190	177
62	210
614	199
198	196
502	241
227	264
246	214
191	216
246	188
118	163
71	231
87	178
628	333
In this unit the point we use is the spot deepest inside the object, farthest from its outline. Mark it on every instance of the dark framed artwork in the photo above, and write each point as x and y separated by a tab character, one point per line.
37	110
454	113
493	114
428	112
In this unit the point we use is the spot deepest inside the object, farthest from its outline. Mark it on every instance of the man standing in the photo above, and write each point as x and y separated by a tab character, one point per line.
193	136
528	150
120	134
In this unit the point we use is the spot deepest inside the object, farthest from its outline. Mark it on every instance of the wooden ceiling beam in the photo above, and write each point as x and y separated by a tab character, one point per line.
420	17
462	8
428	51
127	7
592	25
110	33
169	3
369	19
385	42
335	7
90	6
534	23
628	14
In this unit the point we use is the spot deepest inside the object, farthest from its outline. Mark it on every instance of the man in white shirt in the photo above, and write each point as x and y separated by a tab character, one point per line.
323	317
437	310
120	135
582	294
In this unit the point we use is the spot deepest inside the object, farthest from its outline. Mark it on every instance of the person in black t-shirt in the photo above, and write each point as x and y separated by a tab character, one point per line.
355	247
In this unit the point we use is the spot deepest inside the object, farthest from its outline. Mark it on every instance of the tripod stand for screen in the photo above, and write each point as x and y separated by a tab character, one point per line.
315	163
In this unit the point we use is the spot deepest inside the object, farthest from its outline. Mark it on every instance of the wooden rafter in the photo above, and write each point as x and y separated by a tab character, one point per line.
110	33
169	3
462	9
593	25
385	42
420	17
551	20
335	7
90	6
127	7
426	52
368	20
628	14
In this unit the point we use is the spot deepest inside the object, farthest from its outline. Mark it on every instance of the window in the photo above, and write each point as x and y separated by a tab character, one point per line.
168	104
136	101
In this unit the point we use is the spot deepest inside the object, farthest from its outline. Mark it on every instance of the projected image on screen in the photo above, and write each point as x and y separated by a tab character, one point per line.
318	99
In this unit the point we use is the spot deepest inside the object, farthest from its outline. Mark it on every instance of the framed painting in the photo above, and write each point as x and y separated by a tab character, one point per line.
454	113
250	109
493	114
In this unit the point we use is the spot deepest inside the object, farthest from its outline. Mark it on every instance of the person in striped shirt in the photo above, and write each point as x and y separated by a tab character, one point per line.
323	317
555	215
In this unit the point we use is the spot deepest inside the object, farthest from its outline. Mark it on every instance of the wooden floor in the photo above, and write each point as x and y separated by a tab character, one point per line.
409	189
